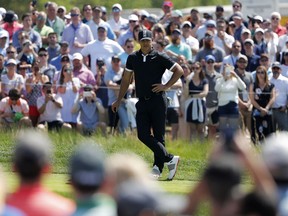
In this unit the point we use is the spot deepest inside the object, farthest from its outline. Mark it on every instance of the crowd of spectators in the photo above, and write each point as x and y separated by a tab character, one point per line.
57	60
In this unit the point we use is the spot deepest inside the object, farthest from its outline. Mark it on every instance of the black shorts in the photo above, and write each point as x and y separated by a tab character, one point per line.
54	125
172	115
113	117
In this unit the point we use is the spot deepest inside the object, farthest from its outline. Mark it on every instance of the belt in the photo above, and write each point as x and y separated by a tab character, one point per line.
148	97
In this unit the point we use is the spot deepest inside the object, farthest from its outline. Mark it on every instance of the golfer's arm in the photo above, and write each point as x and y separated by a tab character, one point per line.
177	73
127	75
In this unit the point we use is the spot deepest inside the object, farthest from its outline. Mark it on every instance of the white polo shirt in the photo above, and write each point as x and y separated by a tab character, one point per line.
281	88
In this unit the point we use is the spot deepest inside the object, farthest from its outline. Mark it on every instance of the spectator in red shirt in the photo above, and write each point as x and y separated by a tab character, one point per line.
275	24
10	24
31	159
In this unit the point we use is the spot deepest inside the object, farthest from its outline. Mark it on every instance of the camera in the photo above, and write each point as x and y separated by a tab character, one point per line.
100	63
49	91
87	94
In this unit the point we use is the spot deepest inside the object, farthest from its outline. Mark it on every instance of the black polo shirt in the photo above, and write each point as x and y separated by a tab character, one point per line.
148	70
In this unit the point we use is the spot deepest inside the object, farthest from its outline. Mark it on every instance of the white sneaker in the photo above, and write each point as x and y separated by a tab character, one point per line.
172	166
155	173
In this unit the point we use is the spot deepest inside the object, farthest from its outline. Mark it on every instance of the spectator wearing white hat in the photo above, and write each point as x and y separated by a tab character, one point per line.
133	21
187	38
77	34
103	47
61	12
260	43
239	26
96	21
4	41
79	70
117	21
279	107
210	25
11	79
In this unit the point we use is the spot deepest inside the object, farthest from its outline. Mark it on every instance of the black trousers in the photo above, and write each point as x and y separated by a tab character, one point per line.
150	118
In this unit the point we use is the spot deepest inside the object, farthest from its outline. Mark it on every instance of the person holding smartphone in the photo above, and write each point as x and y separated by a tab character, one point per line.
227	87
49	106
90	107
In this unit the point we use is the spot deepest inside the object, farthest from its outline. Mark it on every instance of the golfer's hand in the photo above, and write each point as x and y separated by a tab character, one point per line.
158	88
115	106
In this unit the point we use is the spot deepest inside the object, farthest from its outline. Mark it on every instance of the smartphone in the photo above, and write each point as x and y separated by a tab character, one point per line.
48	91
87	94
228	70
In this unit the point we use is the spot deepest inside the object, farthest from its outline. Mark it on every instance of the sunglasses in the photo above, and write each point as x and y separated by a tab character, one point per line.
232	26
242	62
275	68
275	18
74	15
41	55
260	72
210	26
67	70
236	6
210	62
88	9
10	52
116	60
132	21
195	68
60	11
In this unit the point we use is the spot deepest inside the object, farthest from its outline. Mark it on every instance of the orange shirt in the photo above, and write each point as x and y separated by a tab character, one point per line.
35	200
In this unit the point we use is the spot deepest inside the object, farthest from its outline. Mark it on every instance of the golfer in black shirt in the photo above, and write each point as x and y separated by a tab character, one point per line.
148	66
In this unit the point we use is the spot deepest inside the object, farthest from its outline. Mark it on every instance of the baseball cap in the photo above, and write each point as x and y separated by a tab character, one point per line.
64	43
186	23
67	16
116	7
257	17
144	13
33	150
177	13
87	165
9	16
3	34
42	49
259	30
144	35
178	31
77	56
133	17
65	58
248	40
245	30
275	155
210	57
134	197
243	57
103	27
26	41
168	3
63	8
210	22
103	9
219	8
11	61
276	64
115	57
152	18
97	7
237	15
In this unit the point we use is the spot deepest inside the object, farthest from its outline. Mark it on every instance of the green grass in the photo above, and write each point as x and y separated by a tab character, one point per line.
192	162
